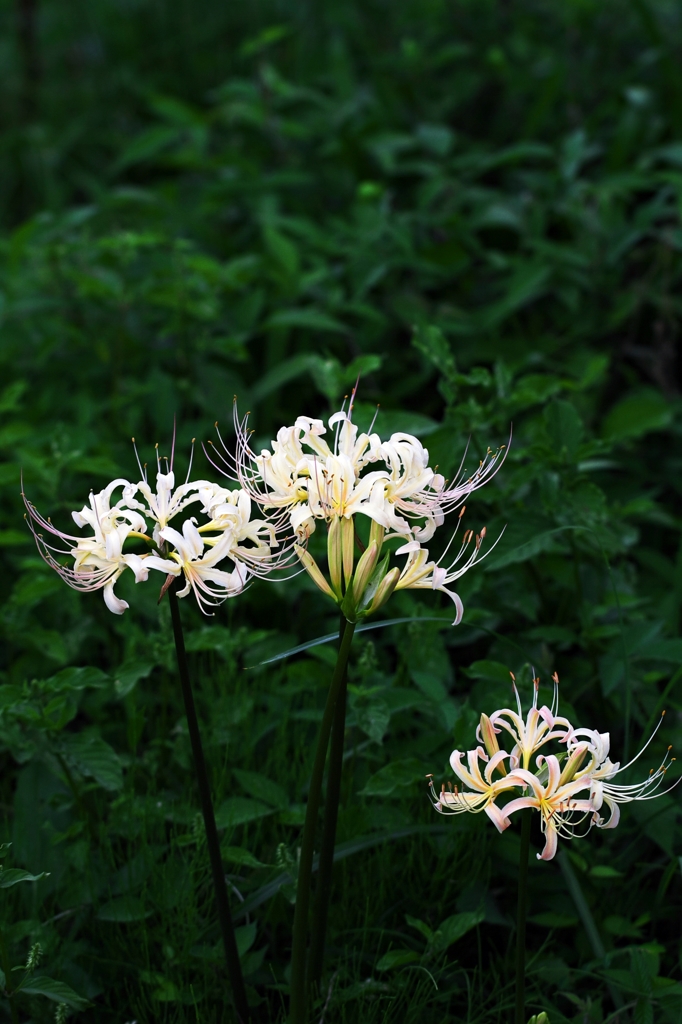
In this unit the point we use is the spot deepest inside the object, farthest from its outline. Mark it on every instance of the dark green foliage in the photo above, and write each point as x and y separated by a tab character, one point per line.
476	208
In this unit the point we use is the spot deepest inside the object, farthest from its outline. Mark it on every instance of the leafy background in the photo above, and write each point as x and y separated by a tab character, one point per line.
476	207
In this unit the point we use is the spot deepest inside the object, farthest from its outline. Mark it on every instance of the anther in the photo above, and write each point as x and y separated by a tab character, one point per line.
462	511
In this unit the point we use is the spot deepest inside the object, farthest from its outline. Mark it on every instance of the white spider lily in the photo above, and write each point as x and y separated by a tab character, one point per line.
167	501
482	789
310	479
540	726
197	558
553	788
99	559
306	478
420	574
561	814
605	791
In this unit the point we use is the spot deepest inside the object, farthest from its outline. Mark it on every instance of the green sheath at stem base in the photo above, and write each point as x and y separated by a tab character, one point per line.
520	1016
297	1008
212	842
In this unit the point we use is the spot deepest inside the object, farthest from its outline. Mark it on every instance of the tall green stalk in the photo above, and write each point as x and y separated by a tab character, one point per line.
212	842
297	1009
520	1015
331	814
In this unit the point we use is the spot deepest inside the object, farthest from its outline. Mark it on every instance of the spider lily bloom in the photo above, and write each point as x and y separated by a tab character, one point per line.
99	559
561	814
604	791
482	790
531	733
305	479
197	558
420	574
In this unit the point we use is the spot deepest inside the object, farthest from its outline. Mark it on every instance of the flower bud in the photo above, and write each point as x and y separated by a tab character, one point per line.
334	556
347	542
573	764
365	568
490	741
313	570
384	590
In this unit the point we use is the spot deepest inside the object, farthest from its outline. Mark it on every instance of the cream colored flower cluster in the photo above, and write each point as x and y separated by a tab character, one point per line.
312	475
568	789
126	512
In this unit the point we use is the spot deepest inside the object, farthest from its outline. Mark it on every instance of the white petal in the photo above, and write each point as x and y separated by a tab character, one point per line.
113	603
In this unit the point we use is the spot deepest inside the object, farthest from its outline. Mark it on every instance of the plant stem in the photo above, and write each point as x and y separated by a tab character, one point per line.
297	1008
527	816
4	959
331	813
212	842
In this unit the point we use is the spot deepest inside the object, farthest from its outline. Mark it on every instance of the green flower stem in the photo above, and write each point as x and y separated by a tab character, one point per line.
331	813
4	959
212	842
297	1009
520	1016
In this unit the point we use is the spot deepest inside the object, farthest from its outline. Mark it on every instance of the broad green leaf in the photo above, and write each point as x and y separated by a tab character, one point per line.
10	876
94	758
564	428
397	958
129	674
238	810
262	788
237	855
55	990
455	927
245	936
395	775
637	414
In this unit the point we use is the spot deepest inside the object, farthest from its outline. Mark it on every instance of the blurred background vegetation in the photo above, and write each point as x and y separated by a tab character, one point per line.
476	207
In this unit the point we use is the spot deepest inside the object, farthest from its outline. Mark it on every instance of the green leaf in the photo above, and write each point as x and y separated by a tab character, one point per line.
395	775
81	678
237	855
245	937
238	810
129	674
455	927
10	877
262	788
397	958
637	414
564	428
306	317
94	758
57	991
550	919
123	909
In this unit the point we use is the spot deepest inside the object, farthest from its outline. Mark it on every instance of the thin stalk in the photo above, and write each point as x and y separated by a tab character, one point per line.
212	842
4	959
520	1017
331	814
297	1007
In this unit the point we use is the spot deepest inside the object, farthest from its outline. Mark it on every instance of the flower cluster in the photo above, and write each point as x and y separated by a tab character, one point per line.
124	513
306	479
569	789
